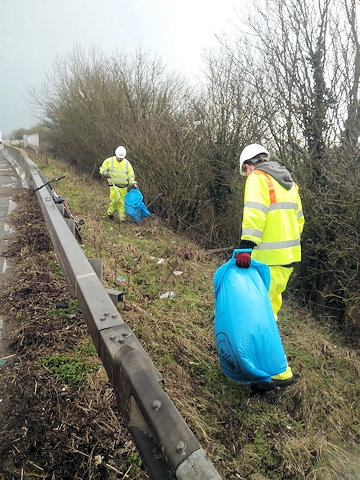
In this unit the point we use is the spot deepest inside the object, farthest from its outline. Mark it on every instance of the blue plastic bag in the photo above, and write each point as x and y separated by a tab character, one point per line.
134	205
246	333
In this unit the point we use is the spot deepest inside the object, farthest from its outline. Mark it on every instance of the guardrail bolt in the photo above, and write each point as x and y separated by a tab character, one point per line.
106	314
156	405
180	447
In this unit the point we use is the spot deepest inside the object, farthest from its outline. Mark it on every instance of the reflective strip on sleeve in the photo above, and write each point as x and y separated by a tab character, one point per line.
253	232
256	206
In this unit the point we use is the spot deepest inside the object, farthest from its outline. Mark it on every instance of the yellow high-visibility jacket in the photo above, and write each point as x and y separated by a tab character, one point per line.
121	173
273	218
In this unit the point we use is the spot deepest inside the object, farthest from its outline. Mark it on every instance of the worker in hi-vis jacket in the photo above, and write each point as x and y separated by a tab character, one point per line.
120	176
272	222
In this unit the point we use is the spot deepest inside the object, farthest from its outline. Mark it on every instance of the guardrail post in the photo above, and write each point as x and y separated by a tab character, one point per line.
97	265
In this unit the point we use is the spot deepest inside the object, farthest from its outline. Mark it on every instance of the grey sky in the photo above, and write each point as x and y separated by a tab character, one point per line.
34	32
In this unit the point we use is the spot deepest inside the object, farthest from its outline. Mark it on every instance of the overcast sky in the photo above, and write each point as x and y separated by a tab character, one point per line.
34	32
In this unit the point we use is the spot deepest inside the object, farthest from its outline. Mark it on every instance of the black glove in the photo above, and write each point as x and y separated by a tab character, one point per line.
243	259
134	185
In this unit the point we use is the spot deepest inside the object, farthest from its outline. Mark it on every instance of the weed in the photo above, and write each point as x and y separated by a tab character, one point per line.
68	369
54	266
64	313
87	348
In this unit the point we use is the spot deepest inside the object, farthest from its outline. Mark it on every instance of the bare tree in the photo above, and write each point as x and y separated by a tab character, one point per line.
324	95
300	61
92	103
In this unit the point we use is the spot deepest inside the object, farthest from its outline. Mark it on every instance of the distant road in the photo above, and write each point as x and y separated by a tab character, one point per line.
9	181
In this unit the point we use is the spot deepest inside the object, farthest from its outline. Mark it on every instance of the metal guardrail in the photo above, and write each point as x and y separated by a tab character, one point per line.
168	447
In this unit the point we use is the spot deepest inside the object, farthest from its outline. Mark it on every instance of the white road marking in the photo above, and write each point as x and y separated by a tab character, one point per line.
12	205
4	266
1	326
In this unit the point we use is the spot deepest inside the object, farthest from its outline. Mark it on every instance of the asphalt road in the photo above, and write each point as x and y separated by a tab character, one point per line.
9	181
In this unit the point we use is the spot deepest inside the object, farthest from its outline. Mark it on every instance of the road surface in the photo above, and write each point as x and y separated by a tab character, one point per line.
9	182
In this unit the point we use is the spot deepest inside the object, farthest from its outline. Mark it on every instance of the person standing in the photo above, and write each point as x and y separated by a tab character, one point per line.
120	176
272	223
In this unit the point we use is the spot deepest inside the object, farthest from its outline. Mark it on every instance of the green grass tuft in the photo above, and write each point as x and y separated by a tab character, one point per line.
70	370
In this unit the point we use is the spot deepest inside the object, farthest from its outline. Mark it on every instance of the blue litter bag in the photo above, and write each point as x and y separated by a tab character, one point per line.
134	206
247	336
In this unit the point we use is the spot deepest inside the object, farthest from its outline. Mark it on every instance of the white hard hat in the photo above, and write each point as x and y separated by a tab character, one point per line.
120	152
249	152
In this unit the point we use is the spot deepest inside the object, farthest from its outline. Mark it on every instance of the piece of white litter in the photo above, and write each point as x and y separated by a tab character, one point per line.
152	258
160	261
178	272
168	295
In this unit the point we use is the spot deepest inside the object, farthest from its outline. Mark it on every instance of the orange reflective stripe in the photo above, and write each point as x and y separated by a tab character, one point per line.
270	185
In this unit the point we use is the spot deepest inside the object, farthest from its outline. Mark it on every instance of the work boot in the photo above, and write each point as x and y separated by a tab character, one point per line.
110	217
266	386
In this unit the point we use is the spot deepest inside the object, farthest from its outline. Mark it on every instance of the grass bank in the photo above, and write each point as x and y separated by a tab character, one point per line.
310	430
